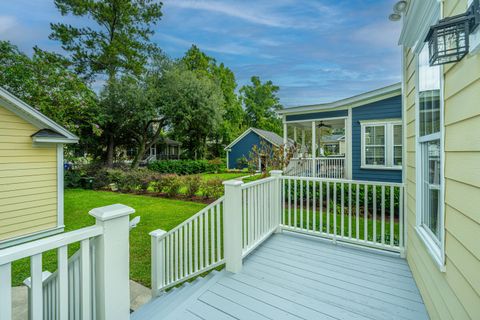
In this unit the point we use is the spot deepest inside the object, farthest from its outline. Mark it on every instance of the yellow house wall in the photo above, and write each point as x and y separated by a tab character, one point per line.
28	179
455	293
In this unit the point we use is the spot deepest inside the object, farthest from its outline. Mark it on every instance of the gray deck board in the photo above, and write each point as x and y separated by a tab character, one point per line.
292	277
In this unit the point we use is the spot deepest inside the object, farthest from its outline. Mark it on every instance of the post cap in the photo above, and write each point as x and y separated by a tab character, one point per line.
111	212
234	183
158	233
276	173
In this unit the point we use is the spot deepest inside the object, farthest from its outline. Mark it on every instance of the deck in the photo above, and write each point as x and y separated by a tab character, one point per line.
295	277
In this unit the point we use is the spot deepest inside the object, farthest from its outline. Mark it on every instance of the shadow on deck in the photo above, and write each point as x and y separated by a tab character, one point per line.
296	277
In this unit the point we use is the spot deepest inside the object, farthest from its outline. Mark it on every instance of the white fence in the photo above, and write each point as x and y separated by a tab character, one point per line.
362	212
191	248
323	167
111	286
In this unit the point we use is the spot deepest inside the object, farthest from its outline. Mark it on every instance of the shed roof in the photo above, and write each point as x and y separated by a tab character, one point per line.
269	136
332	137
39	120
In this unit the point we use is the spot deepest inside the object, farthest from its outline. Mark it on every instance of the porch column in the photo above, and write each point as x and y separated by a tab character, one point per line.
232	222
303	137
314	166
295	134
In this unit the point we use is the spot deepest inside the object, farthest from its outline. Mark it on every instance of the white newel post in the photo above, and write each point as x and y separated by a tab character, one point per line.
232	225
277	198
158	261
112	262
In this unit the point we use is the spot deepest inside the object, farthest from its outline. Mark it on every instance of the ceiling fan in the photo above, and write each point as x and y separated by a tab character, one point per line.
323	125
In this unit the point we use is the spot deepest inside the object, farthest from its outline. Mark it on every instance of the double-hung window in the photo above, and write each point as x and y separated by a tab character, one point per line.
382	144
429	149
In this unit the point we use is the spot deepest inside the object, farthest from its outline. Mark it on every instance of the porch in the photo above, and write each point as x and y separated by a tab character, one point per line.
320	148
290	276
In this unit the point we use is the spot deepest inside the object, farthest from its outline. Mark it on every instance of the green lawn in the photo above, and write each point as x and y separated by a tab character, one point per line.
223	176
155	213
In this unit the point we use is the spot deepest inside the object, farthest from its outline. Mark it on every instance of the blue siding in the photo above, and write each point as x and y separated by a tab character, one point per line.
385	109
242	149
318	115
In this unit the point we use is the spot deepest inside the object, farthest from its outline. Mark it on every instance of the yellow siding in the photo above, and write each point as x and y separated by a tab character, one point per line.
28	180
455	293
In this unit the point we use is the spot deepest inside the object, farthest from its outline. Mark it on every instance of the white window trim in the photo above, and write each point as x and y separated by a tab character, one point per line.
388	124
436	251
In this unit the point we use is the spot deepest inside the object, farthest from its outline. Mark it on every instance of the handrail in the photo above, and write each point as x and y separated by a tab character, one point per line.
257	182
377	183
196	215
39	246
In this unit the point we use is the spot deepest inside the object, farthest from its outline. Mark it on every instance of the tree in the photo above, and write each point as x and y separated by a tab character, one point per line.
118	44
45	82
261	102
192	106
232	124
135	100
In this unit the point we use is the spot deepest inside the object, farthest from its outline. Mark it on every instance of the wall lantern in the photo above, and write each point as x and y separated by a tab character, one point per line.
448	40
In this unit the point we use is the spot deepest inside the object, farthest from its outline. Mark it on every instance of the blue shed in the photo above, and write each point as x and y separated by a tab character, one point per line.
242	146
372	125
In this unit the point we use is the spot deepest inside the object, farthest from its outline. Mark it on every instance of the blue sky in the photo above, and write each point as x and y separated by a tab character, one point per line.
315	50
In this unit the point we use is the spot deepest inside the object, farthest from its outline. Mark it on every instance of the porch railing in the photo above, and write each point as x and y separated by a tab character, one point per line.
361	212
193	247
109	238
323	167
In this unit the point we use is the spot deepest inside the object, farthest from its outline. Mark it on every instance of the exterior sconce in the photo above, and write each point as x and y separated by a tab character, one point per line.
448	40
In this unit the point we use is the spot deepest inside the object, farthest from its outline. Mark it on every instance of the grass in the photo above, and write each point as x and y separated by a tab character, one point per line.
223	176
155	213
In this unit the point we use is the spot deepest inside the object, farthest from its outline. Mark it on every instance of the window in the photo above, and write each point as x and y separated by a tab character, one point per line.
382	145
429	149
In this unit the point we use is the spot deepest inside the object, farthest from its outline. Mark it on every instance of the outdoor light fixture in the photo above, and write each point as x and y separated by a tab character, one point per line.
394	17
400	6
448	40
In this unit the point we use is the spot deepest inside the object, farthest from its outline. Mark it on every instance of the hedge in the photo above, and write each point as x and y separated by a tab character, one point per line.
186	167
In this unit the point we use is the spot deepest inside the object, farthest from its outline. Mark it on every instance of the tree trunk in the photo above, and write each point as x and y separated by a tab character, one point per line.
139	155
110	150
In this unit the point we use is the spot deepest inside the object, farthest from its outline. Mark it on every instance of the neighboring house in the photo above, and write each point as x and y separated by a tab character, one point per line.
31	172
241	147
442	172
372	123
166	149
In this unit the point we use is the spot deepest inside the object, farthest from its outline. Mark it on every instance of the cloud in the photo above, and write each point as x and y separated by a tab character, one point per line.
6	24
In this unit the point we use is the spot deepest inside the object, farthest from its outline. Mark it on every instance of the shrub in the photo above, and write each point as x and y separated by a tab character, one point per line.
212	188
192	183
73	179
186	167
168	183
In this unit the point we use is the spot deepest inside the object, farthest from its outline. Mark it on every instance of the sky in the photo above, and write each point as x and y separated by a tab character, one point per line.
316	51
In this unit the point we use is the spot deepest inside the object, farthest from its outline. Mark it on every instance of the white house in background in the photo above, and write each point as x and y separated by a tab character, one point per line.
333	144
31	172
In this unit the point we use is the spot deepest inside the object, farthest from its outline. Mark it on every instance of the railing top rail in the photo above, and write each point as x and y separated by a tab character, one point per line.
360	182
36	247
257	182
211	205
320	158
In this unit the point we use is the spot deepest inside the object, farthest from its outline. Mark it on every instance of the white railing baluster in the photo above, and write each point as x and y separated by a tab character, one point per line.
307	186
382	240
349	210
328	207
400	219
342	207
6	291
185	249
374	219
314	207
212	234
85	278
295	195
180	253
36	306
365	213
335	209
302	200
357	211
392	215
321	207
201	242
290	202
207	241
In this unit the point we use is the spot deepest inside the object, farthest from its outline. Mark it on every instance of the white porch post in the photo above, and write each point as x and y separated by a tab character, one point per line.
303	137
232	225
112	265
295	134
348	147
277	199
158	260
314	165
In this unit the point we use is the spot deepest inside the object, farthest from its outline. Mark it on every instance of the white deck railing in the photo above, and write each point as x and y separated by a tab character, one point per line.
323	167
362	212
193	247
259	214
110	239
